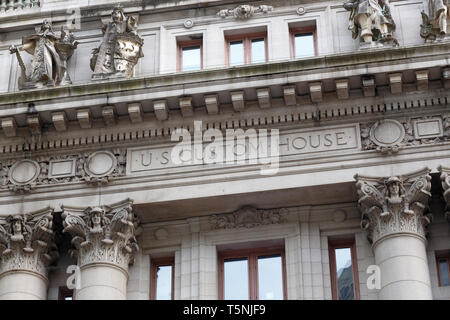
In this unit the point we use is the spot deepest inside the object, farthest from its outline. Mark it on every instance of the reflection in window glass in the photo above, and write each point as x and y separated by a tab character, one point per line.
164	283
258	50
270	278
304	45
236	53
236	279
344	274
191	58
443	268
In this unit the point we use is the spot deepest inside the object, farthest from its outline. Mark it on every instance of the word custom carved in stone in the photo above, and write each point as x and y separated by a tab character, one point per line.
247	217
50	55
120	49
300	143
105	234
396	204
244	11
27	242
96	168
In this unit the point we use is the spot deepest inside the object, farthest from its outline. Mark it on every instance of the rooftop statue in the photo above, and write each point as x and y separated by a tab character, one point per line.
372	21
434	20
120	49
50	55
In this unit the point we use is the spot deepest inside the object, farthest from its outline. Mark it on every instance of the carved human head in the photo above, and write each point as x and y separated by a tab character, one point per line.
16	223
46	25
393	185
96	216
117	14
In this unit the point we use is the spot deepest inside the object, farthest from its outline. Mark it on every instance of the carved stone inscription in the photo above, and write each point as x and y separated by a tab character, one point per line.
291	143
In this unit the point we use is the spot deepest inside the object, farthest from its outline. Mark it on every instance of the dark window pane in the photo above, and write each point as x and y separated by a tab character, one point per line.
236	279
443	268
236	53
270	278
191	58
304	45
258	50
344	271
164	283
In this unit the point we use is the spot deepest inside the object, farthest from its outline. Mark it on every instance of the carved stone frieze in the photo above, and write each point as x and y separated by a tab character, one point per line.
95	168
247	217
244	11
27	242
390	136
394	205
105	234
445	178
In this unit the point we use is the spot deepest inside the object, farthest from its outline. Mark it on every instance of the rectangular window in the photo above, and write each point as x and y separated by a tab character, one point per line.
246	49
303	42
65	293
344	270
190	56
443	265
257	274
162	279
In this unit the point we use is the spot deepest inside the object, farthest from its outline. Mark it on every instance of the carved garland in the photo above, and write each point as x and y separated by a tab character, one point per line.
248	217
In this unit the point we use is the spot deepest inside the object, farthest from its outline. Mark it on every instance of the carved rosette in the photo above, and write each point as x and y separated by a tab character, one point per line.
394	205
27	242
247	217
104	234
445	178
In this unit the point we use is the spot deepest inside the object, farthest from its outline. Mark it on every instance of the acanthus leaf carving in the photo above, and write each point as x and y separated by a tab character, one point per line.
103	234
396	204
27	242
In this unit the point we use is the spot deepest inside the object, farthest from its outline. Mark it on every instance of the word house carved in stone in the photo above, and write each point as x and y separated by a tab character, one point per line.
393	205
248	217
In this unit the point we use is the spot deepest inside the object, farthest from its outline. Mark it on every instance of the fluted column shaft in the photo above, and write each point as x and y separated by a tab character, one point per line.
393	214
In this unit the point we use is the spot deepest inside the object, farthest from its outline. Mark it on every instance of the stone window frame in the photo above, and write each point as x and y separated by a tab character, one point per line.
334	244
186	44
293	31
252	255
439	257
246	38
154	265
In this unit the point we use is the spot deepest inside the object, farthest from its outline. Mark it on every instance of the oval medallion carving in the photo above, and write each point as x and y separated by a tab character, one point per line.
387	133
100	164
24	172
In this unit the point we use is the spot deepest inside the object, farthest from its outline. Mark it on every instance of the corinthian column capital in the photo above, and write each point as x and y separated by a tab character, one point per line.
394	205
105	234
27	242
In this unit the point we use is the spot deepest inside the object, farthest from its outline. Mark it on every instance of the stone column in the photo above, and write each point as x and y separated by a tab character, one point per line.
393	214
26	249
105	243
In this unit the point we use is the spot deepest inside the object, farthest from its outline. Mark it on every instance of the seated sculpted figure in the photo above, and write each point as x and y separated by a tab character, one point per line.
371	20
434	19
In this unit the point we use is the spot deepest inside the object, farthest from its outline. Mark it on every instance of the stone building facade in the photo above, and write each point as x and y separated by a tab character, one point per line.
350	98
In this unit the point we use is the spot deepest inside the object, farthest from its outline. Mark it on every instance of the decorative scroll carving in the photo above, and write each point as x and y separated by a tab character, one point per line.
244	11
445	178
50	55
392	205
27	242
247	217
120	49
434	20
371	20
390	136
95	168
105	234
